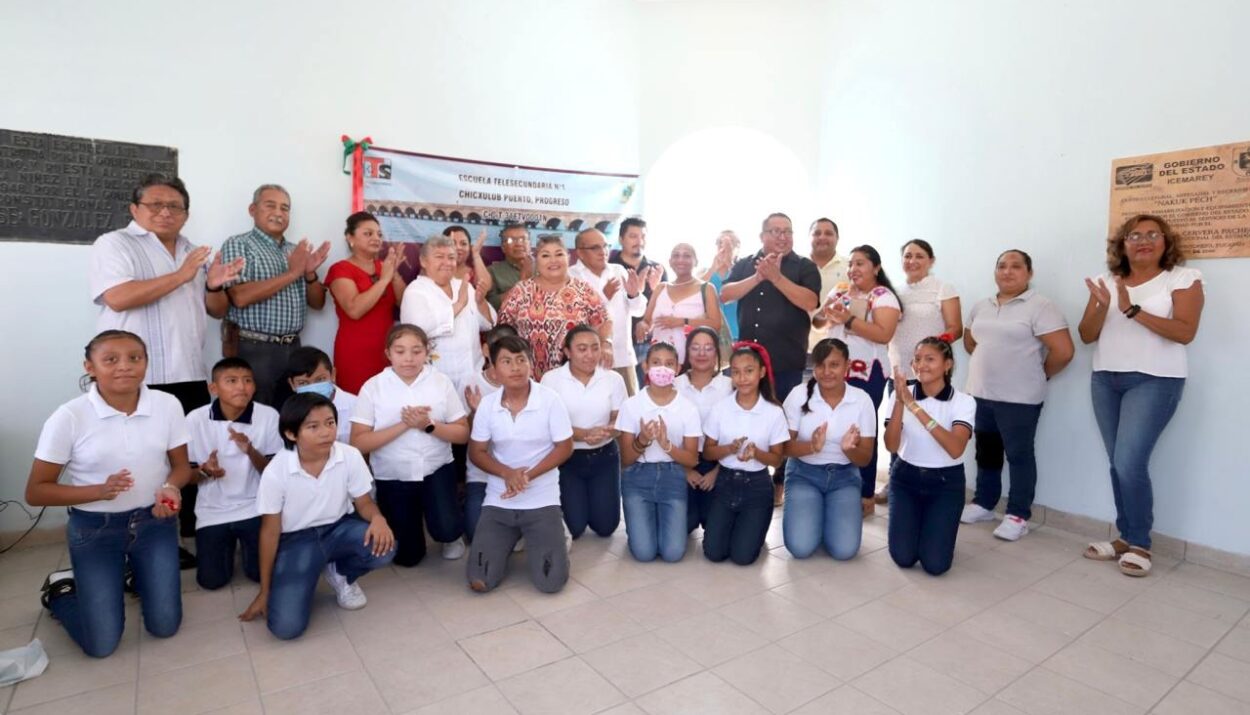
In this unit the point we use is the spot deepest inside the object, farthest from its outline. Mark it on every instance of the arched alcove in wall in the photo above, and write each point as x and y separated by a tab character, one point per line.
722	178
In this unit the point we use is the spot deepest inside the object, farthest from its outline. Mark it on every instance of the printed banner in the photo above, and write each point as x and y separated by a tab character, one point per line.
416	196
1204	193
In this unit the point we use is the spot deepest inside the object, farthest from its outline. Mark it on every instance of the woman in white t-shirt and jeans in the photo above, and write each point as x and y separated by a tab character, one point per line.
864	314
930	307
928	427
1139	368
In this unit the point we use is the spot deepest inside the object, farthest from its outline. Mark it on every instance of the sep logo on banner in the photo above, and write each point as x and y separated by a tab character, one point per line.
416	196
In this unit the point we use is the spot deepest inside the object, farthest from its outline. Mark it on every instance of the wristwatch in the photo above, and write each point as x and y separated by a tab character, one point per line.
429	429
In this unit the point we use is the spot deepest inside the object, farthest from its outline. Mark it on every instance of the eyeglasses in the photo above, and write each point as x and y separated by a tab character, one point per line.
158	208
778	232
701	349
596	249
516	239
1135	237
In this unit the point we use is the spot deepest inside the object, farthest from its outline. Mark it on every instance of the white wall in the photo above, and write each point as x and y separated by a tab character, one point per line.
260	92
741	79
984	125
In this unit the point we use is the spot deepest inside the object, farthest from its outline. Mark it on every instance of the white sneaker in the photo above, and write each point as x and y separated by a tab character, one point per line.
975	513
349	595
453	550
1012	528
519	546
568	539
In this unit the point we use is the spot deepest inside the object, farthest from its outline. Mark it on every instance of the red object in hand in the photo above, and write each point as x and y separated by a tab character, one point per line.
169	503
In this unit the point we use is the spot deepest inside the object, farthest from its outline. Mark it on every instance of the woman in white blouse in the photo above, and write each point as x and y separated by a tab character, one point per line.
450	312
1139	368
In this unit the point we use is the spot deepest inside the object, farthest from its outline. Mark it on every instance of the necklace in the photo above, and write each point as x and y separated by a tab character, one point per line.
683	283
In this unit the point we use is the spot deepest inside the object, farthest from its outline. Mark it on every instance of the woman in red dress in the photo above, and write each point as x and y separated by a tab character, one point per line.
545	307
365	290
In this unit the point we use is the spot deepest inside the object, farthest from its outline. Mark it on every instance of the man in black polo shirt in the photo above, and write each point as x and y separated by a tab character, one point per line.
633	239
776	290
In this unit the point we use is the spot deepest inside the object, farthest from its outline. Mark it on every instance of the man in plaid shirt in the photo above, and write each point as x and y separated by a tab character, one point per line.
279	283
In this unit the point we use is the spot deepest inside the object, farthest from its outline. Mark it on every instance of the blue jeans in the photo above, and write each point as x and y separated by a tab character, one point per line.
875	387
654	494
410	506
925	505
737	521
474	495
1006	427
100	544
822	506
698	501
1132	409
590	490
302	555
214	552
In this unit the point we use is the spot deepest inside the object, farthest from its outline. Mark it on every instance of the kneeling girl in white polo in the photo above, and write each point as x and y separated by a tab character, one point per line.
123	451
928	426
747	434
406	419
659	439
590	481
306	498
521	434
832	429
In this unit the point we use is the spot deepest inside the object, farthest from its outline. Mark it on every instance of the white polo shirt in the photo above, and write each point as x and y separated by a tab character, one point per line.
304	500
917	446
93	440
345	405
523	442
232	497
704	400
474	473
680	416
173	326
855	408
1008	363
620	309
1126	345
589	405
763	425
413	455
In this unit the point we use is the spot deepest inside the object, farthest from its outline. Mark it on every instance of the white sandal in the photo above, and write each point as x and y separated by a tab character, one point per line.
1105	550
1135	562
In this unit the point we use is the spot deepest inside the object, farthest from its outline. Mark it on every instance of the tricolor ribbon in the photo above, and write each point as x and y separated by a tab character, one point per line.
356	151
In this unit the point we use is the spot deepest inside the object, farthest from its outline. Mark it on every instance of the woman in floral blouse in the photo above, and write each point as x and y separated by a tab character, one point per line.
545	307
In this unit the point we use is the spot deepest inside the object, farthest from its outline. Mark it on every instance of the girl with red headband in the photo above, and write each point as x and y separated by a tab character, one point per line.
747	434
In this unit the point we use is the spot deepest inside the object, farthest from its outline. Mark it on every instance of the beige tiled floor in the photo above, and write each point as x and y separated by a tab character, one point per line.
1017	628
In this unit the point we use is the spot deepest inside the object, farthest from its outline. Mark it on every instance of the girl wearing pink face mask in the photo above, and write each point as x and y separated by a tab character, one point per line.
659	439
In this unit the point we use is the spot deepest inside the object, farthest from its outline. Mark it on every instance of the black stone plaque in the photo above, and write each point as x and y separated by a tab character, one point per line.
69	189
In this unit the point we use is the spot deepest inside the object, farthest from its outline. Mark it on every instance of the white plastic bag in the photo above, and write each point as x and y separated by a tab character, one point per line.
22	663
